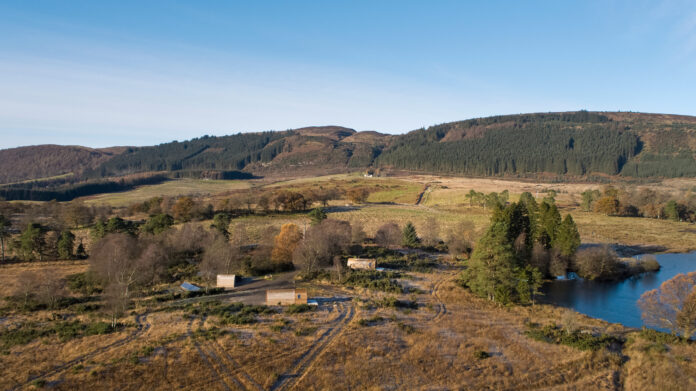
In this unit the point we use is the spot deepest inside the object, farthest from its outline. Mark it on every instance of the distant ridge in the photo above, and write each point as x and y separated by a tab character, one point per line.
577	143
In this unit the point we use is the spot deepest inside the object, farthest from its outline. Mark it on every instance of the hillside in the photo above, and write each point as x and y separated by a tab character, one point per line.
573	143
44	161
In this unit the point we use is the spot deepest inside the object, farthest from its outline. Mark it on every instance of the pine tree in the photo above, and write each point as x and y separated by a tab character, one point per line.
409	236
491	270
549	220
317	215
567	238
529	280
66	243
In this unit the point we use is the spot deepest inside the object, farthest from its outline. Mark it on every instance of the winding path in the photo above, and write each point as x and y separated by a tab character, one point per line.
302	365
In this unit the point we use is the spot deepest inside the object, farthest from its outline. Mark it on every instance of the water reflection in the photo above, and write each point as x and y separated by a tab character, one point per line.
616	301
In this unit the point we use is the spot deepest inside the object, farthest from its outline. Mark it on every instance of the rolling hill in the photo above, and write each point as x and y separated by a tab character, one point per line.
572	143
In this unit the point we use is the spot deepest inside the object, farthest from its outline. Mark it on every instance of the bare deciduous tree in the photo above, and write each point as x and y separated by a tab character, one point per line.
597	263
321	244
459	238
430	233
357	233
388	235
220	257
672	305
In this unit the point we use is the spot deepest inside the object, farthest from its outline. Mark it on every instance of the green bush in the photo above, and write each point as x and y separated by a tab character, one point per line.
406	328
65	331
576	339
85	283
234	313
298	308
364	322
370	279
411	263
305	331
481	354
660	337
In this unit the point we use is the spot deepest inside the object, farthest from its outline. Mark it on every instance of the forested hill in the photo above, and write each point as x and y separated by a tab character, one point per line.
572	143
575	143
313	148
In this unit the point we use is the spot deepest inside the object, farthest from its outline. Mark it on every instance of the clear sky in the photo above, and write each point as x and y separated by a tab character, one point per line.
101	73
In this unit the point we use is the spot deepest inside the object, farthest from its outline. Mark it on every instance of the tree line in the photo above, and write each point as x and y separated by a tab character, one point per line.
644	202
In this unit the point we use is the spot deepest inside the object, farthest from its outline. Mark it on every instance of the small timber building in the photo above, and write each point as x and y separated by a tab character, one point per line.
286	296
226	280
362	263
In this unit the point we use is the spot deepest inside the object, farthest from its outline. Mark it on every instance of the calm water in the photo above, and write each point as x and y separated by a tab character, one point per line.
616	301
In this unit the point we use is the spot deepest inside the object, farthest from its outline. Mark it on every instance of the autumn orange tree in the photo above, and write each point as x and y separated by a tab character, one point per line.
358	195
672	306
285	243
608	205
183	209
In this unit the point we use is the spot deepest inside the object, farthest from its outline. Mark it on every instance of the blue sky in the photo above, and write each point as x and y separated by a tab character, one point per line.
101	73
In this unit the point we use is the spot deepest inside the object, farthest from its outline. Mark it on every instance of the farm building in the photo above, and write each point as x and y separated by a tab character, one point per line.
362	263
226	280
286	296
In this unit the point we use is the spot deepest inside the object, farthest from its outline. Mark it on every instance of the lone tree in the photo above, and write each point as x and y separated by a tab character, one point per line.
66	244
388	235
358	195
672	306
317	215
409	236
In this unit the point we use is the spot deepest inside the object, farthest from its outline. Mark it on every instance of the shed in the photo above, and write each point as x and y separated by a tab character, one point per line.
362	263
226	280
286	296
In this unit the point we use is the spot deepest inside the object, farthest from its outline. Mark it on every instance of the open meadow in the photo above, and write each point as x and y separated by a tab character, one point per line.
415	328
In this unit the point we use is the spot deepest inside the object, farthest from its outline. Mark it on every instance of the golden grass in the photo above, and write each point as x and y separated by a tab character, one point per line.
439	354
673	236
173	188
59	269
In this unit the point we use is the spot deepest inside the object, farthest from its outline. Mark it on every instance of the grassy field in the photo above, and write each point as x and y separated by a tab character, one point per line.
452	340
394	199
173	188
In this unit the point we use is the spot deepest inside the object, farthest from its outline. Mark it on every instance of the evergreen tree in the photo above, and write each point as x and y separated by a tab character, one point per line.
529	280
32	242
491	270
317	215
567	238
672	210
409	236
549	221
66	243
80	253
158	224
221	222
